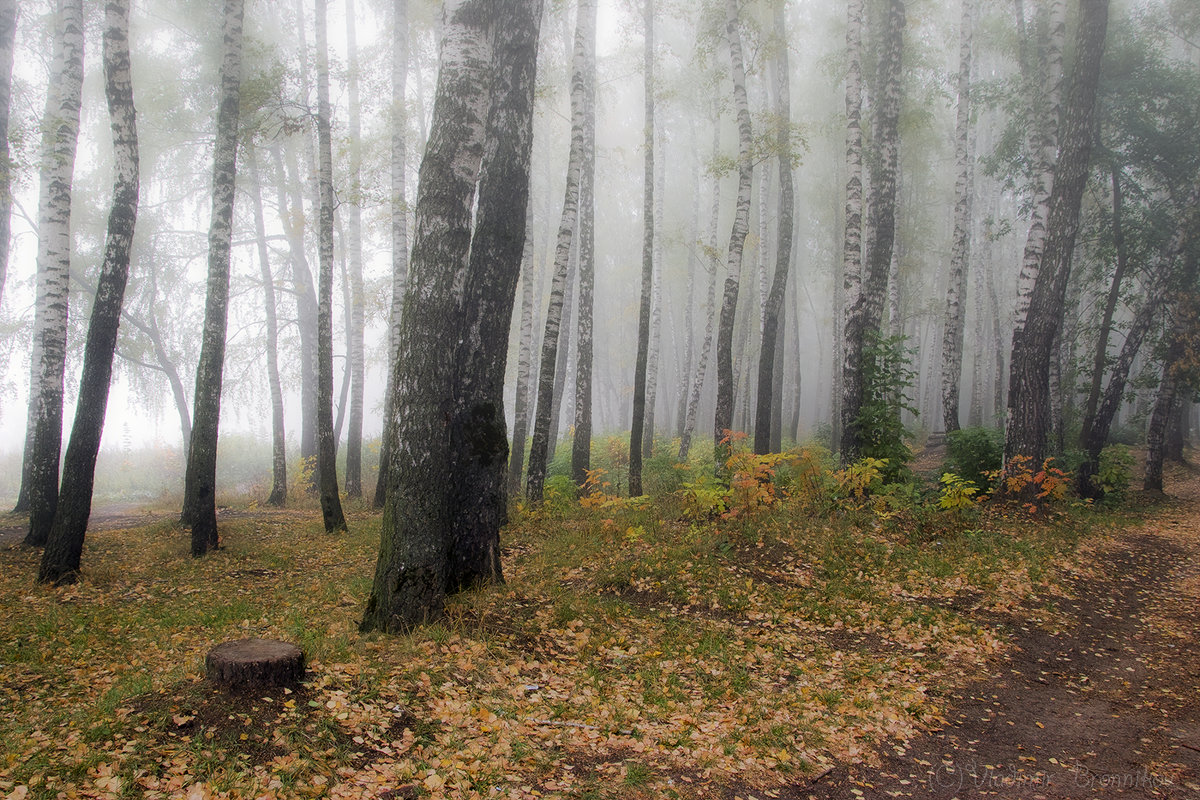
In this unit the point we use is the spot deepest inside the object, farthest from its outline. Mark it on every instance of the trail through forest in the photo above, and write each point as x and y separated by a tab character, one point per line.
1106	703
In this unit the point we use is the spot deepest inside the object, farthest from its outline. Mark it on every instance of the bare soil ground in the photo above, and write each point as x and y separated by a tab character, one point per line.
13	527
1105	704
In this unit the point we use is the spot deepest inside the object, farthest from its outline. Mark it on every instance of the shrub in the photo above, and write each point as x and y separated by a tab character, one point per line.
972	453
887	378
1115	472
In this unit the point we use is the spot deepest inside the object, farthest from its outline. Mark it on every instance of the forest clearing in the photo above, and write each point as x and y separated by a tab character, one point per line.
637	650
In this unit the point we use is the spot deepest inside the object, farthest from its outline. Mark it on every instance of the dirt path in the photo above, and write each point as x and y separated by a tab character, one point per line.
114	517
1107	707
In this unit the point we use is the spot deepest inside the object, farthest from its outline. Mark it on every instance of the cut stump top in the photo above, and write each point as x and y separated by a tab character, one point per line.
251	663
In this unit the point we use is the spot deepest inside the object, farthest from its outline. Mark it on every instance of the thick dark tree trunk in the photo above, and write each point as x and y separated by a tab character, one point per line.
60	559
637	427
399	230
410	574
581	446
199	491
60	135
278	496
1028	410
765	426
331	503
723	418
478	441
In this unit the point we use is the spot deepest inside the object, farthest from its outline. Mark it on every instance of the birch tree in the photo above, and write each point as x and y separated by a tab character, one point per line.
60	559
723	418
60	135
399	230
637	428
1028	407
581	446
539	446
199	491
520	432
331	503
773	308
956	294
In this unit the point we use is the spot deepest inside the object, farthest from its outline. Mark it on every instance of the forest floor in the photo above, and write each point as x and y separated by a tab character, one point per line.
635	652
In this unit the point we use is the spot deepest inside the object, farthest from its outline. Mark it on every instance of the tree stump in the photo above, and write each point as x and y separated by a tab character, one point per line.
253	663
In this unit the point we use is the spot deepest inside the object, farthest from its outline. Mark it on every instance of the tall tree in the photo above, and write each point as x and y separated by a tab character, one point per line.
399	229
354	257
1028	408
773	309
200	480
539	446
452	427
478	442
60	559
637	429
865	297
956	293
520	432
278	495
8	30
581	446
60	135
331	502
723	418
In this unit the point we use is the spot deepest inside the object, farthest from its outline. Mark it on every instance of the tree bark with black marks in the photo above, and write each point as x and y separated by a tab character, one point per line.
766	412
520	432
641	364
723	418
478	440
539	447
331	502
1028	408
8	30
64	546
960	252
199	491
864	298
410	573
60	136
354	258
581	446
399	231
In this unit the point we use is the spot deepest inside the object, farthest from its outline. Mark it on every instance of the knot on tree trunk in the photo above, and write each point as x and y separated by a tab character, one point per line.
253	663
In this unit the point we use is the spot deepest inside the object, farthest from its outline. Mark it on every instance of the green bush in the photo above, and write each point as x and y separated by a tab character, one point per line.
971	453
887	379
1115	472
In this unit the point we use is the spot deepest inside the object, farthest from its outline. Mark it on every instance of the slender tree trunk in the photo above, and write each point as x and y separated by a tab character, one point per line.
581	446
1044	82
765	437
278	496
1028	407
1164	409
199	491
60	134
60	559
516	460
689	317
357	366
710	308
562	357
399	231
641	364
539	448
865	301
8	30
723	419
1100	358
479	500
849	379
960	254
411	572
656	337
331	503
